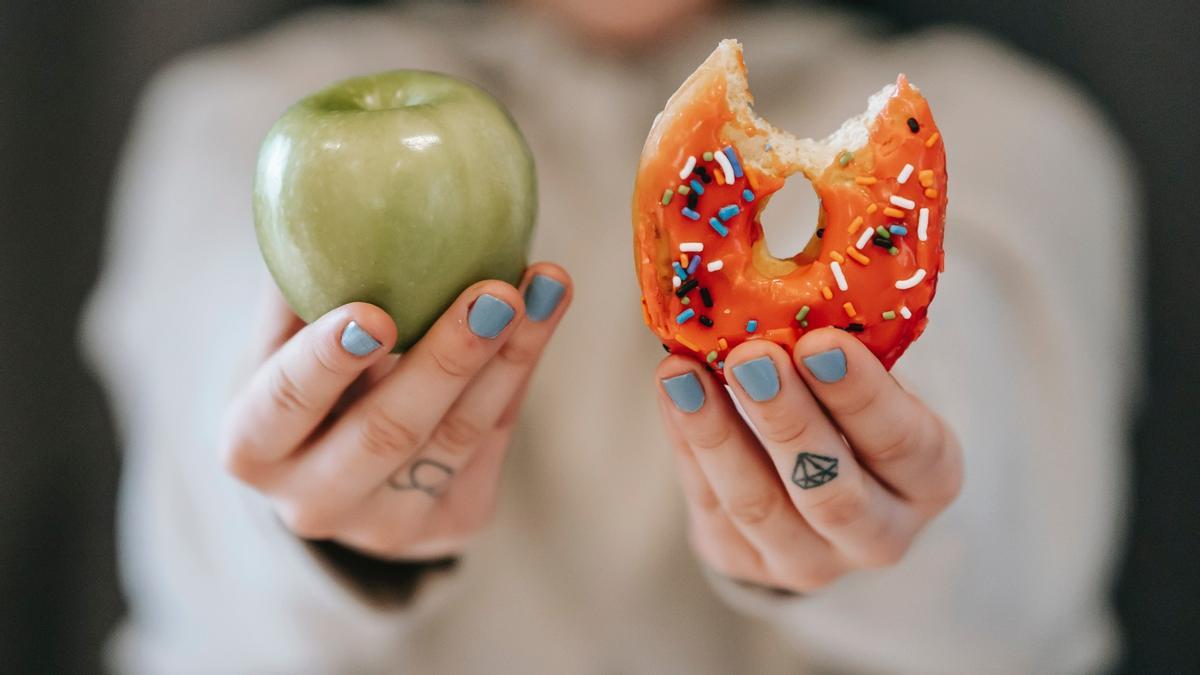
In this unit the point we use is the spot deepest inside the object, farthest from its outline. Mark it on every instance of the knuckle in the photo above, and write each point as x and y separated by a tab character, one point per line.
707	500
887	555
457	435
723	562
866	400
948	484
441	547
717	557
384	436
327	359
819	578
941	468
374	540
841	508
803	576
710	437
519	353
474	522
783	427
234	458
753	509
900	444
451	365
284	393
307	522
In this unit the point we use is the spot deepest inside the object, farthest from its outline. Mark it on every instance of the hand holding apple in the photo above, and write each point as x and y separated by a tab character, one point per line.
398	189
377	201
396	457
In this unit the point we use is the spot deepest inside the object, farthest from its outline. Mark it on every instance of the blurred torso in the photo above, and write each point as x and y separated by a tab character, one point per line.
586	568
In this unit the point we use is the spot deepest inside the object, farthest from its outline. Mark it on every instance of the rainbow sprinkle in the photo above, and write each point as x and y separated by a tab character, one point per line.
732	156
687	167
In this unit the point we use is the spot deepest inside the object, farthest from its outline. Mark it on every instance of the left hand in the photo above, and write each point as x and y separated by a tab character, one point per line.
849	468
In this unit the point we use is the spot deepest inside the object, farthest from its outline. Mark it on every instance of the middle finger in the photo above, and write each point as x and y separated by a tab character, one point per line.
739	472
478	410
843	502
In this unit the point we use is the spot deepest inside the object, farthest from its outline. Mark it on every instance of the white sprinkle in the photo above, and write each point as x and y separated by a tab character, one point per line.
726	167
923	224
837	274
864	238
715	265
691	247
905	313
904	174
902	202
676	281
687	167
905	284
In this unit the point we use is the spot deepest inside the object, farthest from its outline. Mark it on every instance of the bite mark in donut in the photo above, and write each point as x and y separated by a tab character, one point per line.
708	169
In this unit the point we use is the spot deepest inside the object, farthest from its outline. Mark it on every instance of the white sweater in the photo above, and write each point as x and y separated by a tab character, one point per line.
1030	356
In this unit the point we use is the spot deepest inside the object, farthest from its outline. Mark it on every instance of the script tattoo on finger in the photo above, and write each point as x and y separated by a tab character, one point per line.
813	470
425	475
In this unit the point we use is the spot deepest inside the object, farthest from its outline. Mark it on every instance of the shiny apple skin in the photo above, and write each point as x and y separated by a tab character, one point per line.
399	189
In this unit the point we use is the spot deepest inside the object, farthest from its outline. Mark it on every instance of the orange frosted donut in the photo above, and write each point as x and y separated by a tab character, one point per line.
709	167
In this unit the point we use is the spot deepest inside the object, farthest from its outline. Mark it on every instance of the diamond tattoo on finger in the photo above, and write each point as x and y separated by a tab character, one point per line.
813	470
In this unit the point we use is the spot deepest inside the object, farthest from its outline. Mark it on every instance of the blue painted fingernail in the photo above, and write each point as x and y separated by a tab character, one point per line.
758	377
827	366
542	296
358	341
489	315
685	392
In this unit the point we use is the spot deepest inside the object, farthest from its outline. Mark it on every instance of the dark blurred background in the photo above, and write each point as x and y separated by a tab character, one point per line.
70	74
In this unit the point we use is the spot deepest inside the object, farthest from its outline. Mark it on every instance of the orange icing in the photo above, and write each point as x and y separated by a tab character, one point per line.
753	286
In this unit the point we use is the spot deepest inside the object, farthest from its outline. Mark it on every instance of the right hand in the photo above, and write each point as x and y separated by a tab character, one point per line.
397	458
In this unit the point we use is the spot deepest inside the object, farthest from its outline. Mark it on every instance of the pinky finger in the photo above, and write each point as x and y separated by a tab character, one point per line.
716	540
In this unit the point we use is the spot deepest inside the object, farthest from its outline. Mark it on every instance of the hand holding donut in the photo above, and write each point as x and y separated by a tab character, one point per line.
394	457
849	467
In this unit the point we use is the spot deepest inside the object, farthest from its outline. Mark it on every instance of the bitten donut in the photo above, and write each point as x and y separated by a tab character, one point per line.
708	169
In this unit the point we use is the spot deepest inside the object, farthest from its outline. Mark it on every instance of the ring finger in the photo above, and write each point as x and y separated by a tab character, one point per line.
547	293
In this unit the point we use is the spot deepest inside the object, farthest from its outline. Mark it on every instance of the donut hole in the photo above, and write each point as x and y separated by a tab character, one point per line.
788	218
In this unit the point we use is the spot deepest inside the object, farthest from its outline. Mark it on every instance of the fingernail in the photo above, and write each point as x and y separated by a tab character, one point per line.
685	392
542	296
489	315
358	341
758	377
827	366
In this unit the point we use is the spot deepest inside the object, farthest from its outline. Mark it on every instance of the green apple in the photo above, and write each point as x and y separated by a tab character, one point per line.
398	189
